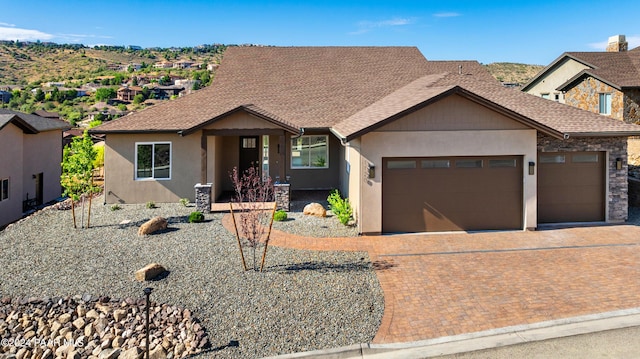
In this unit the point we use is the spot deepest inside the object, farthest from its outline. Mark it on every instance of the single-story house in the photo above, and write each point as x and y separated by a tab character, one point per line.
31	148
415	145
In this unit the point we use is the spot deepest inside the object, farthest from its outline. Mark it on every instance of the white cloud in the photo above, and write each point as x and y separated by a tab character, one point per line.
633	41
367	26
14	33
447	14
6	24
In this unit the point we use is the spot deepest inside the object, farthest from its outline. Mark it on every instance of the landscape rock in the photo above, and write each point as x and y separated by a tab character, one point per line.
150	271
153	225
315	209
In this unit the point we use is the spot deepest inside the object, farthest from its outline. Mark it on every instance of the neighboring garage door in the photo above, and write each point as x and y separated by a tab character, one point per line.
433	194
571	187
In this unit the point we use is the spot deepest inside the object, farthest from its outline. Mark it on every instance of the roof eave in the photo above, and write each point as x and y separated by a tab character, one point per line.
605	134
582	74
249	110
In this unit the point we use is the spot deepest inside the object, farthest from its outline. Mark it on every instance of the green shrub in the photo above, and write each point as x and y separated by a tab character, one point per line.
196	217
115	207
340	207
280	215
184	201
151	204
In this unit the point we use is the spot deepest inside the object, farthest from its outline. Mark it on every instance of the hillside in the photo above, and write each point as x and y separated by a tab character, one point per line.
22	64
513	73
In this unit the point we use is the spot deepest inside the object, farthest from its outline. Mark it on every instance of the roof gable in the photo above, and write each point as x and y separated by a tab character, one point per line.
31	123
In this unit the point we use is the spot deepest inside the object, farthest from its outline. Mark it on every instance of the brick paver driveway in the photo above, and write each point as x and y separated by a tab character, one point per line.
439	285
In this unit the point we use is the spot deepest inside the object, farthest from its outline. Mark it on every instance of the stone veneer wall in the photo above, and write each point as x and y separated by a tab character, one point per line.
618	200
585	95
203	197
632	106
282	193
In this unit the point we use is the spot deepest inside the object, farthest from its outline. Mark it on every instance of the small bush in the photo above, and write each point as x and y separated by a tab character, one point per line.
196	217
151	204
184	201
280	215
340	206
115	207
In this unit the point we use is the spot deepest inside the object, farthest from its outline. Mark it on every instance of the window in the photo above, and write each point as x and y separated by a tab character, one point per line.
310	152
585	158
468	163
544	95
552	159
502	163
605	104
434	163
153	160
401	164
556	97
4	189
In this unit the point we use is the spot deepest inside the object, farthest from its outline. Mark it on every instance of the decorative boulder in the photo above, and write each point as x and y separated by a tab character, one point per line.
153	225
149	272
315	209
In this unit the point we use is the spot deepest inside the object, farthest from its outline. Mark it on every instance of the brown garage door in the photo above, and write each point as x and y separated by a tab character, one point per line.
435	194
571	187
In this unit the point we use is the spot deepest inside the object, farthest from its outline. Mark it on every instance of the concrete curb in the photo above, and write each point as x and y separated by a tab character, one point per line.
480	340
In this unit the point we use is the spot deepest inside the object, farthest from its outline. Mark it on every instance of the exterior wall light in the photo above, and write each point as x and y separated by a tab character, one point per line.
618	163
371	170
532	168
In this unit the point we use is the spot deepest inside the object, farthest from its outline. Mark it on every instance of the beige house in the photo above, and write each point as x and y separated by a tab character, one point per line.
603	82
31	148
416	145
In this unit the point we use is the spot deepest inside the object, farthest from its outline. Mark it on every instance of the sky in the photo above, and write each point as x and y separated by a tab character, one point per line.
530	32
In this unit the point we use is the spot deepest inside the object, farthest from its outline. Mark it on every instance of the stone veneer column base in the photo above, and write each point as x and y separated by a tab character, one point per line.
282	196
203	197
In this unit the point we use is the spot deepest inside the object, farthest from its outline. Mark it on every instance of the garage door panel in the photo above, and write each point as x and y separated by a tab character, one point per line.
573	190
446	199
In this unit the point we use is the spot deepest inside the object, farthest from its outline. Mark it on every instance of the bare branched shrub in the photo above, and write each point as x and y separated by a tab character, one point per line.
253	220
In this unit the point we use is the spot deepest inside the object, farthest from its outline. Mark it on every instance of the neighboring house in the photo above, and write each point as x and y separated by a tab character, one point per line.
607	83
127	93
31	148
415	145
165	92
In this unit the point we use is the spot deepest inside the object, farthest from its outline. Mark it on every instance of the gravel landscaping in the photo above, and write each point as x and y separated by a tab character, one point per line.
304	300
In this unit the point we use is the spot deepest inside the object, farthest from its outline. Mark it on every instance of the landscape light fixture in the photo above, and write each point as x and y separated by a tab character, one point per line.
147	292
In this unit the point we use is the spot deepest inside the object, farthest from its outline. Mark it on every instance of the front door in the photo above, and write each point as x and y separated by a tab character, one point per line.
249	153
39	188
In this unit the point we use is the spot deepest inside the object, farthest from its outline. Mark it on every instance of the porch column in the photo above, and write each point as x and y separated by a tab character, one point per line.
203	157
203	197
282	196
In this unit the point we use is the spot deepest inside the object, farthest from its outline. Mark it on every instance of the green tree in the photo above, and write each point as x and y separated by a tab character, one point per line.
77	172
39	95
138	99
105	93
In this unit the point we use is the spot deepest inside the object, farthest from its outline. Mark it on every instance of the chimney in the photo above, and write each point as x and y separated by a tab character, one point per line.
617	43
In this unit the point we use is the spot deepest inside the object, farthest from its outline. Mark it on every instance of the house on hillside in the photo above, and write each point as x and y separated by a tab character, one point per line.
415	145
127	93
605	82
31	148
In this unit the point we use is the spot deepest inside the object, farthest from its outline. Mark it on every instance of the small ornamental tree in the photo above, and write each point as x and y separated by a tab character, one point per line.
77	172
254	221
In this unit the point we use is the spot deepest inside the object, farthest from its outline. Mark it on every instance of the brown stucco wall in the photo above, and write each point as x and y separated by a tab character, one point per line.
615	147
585	95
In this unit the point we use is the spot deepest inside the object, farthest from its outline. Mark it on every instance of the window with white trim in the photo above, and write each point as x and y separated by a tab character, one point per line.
4	189
605	104
310	152
153	160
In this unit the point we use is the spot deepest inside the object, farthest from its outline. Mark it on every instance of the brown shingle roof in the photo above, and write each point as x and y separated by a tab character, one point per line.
547	116
618	69
351	90
304	86
35	122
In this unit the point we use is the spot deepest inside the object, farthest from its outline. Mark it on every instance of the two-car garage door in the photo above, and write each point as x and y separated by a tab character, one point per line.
431	194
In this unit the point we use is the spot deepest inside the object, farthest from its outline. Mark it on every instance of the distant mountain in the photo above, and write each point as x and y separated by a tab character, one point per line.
512	73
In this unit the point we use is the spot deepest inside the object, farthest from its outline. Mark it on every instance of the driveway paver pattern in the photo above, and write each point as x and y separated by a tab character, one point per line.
438	285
